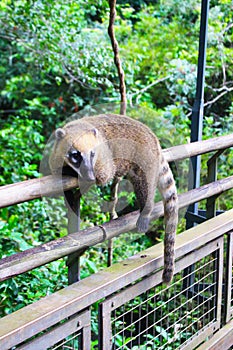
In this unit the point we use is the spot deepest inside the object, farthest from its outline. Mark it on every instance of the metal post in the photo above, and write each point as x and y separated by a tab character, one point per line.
197	111
196	132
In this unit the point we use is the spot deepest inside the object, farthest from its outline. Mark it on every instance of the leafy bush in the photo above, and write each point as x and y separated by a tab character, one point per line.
22	143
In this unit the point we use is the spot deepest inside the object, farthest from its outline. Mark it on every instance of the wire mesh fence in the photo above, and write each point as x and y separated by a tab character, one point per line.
71	334
163	317
145	314
166	318
229	278
73	341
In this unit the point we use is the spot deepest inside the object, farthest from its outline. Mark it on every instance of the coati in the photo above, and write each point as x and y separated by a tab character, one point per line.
103	147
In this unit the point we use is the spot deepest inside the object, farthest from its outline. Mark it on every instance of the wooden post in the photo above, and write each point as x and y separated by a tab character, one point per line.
212	177
72	199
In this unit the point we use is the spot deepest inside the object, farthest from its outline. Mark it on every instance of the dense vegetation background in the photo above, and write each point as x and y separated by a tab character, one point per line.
56	59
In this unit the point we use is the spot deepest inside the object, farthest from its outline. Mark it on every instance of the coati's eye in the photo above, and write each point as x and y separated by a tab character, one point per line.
92	154
75	157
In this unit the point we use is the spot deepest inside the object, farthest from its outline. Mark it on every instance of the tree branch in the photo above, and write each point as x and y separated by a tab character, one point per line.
140	92
74	78
117	61
223	88
226	90
228	27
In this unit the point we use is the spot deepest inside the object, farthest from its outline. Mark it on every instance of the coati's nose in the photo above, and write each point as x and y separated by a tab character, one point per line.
87	174
90	177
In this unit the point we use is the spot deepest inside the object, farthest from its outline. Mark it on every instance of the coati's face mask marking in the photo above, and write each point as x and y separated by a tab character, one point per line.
75	157
82	163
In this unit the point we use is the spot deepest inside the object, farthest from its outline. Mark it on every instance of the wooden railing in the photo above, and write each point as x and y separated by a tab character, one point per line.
45	186
76	242
32	189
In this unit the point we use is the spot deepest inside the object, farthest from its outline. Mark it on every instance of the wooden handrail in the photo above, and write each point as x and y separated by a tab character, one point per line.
48	185
34	257
52	309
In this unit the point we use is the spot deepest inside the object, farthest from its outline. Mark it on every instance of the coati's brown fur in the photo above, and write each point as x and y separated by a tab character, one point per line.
106	146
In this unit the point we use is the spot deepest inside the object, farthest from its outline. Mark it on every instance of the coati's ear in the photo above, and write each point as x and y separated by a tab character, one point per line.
60	133
95	132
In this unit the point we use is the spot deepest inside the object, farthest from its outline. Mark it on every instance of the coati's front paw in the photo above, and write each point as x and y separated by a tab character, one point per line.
143	223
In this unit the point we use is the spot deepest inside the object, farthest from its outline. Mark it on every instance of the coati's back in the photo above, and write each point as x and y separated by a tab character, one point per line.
120	142
114	126
102	147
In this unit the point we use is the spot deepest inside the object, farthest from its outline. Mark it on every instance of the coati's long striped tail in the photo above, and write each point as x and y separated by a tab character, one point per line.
167	188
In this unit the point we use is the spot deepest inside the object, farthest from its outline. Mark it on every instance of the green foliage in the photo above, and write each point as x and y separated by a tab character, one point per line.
92	208
22	142
55	59
163	48
63	51
24	289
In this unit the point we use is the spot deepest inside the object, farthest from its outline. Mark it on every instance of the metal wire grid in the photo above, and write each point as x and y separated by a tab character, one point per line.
72	342
230	262
167	318
72	333
227	302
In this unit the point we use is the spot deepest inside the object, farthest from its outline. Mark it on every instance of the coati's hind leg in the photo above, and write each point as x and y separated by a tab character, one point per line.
113	213
144	187
114	197
167	188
